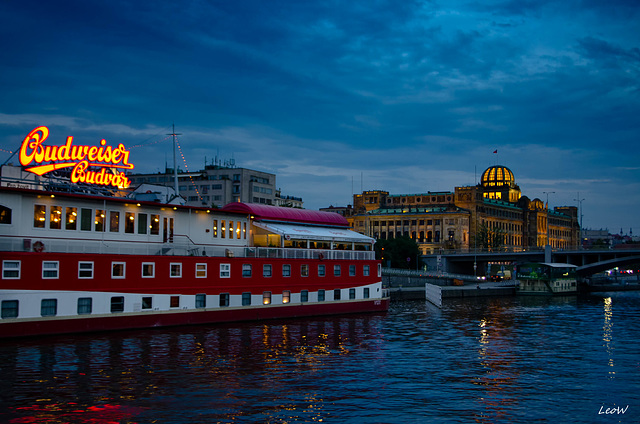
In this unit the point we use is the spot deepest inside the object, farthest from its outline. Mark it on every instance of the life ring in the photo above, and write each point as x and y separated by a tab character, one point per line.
38	246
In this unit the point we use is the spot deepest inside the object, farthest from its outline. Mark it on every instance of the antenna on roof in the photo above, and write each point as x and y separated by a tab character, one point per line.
175	165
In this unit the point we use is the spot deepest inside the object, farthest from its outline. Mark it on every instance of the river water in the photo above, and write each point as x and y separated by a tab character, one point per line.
502	360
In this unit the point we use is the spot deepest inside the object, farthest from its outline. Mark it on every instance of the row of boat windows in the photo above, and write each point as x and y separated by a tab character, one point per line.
87	219
51	270
49	307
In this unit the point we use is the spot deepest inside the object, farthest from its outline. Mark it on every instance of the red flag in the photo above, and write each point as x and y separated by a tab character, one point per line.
495	151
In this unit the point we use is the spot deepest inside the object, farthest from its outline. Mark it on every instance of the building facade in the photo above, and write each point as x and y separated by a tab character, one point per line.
218	185
463	219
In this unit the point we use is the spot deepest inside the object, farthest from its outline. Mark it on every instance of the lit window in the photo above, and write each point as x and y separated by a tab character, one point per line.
10	270
99	220
201	270
114	221
55	217
286	296
39	215
175	270
215	228
304	270
154	226
71	219
85	269
129	222
50	269
266	298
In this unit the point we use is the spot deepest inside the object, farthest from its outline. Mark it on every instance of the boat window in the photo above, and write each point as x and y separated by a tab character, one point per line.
118	269
85	219
9	309
365	270
114	221
238	236
365	293
215	228
286	296
50	269
336	270
5	216
321	295
352	270
225	270
71	219
49	307
129	222
286	270
39	216
336	294
155	225
266	270
10	270
55	217
304	270
224	299
266	298
222	230
246	298
201	300
304	296
175	270
174	302
246	270
85	305
321	271
99	220
148	270
85	269
201	270
352	293
117	304
142	223
244	231
147	302
230	229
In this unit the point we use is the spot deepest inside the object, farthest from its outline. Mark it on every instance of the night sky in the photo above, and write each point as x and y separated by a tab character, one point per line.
336	97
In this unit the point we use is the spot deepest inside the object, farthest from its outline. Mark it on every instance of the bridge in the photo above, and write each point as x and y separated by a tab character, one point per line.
588	261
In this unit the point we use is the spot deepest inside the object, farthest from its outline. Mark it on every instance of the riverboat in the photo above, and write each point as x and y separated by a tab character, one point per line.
81	254
546	279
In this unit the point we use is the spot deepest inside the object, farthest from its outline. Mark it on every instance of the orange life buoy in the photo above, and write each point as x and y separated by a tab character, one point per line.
38	246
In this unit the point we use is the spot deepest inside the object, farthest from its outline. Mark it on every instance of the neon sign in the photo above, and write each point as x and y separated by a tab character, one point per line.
79	157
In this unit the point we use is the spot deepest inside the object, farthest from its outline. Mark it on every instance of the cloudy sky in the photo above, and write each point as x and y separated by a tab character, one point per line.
335	97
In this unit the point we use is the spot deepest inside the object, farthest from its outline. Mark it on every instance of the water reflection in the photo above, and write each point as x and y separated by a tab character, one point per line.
229	368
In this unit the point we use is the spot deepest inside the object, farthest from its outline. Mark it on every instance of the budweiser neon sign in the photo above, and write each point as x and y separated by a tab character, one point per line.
42	159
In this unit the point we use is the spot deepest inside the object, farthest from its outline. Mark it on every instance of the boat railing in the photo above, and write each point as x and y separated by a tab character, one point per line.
178	246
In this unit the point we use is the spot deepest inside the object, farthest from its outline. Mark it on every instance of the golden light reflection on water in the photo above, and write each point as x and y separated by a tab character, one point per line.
607	334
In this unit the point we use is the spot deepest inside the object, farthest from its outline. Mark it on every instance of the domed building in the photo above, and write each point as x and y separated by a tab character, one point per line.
499	183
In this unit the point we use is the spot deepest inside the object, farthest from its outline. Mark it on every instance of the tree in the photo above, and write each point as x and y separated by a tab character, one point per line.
491	239
403	252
